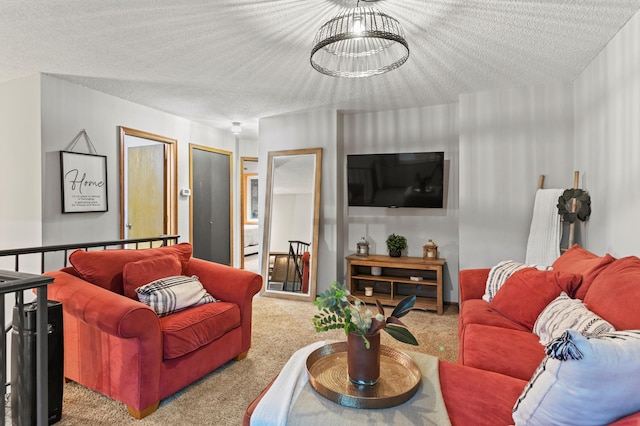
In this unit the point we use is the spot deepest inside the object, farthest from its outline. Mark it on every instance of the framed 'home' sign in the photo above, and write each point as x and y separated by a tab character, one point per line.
84	182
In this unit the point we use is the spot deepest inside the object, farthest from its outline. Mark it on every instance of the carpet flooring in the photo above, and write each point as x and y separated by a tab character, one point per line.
280	327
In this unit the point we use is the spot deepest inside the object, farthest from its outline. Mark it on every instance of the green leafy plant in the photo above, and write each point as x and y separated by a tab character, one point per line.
396	243
340	310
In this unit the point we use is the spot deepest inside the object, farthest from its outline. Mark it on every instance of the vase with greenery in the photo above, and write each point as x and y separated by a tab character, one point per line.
395	245
340	310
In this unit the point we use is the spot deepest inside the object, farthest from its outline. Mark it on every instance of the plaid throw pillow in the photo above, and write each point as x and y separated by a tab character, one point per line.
172	294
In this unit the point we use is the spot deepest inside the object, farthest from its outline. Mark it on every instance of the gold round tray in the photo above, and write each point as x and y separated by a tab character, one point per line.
399	378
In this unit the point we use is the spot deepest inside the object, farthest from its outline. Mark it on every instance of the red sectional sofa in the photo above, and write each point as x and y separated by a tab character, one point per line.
122	348
499	353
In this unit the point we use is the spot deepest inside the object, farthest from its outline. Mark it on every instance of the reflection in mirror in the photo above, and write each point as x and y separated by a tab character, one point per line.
291	221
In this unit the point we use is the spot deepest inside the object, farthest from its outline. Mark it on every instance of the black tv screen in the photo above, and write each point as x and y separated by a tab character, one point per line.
396	180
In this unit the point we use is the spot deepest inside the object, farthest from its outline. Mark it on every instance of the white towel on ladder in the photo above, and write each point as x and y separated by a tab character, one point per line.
543	246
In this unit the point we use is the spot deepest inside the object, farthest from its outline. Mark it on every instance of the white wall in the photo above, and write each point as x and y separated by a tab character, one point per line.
508	138
410	130
317	129
20	174
20	183
66	109
607	142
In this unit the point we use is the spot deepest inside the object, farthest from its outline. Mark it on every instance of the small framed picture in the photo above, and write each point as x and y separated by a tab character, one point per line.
84	182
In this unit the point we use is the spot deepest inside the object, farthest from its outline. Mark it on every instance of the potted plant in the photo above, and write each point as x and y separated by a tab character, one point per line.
340	310
395	245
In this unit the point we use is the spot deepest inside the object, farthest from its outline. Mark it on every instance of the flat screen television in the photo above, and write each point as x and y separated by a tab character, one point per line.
413	179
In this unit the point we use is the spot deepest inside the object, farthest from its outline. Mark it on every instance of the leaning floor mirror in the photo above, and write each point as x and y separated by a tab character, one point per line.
291	222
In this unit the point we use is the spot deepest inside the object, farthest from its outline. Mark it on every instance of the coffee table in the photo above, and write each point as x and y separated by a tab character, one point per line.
291	400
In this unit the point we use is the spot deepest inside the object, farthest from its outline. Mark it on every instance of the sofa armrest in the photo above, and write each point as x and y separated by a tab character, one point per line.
113	344
229	285
632	420
224	282
472	283
124	317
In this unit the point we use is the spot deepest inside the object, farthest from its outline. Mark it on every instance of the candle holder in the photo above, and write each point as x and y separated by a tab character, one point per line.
430	250
363	247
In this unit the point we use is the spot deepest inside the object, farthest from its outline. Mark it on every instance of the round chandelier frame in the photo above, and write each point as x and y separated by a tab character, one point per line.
360	42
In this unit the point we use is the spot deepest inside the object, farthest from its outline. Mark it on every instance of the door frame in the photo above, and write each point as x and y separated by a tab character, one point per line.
193	146
170	175
243	206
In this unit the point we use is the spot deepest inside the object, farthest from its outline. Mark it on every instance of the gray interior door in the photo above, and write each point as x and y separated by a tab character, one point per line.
211	192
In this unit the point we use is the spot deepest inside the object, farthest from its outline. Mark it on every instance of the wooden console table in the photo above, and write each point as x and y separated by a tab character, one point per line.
400	277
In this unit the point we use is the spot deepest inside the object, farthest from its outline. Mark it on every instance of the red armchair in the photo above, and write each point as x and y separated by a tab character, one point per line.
119	347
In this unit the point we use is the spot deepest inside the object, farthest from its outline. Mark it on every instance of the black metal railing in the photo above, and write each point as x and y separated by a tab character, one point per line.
294	263
18	282
44	250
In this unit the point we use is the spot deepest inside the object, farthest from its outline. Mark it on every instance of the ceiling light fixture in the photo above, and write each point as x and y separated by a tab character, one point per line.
360	42
235	128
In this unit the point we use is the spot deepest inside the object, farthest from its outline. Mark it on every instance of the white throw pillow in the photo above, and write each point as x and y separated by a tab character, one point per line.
565	313
498	275
583	381
171	294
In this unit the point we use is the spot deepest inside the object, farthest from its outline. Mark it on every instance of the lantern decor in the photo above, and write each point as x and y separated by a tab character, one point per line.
363	247
430	250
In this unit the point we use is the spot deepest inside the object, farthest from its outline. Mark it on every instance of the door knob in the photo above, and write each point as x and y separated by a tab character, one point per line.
128	225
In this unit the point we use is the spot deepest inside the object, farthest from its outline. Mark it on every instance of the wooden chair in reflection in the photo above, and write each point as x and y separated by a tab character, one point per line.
289	268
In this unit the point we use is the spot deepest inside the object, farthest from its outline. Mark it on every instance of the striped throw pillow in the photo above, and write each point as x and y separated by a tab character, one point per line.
565	313
498	276
168	295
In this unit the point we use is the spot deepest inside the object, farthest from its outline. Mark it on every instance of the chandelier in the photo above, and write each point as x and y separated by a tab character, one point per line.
360	42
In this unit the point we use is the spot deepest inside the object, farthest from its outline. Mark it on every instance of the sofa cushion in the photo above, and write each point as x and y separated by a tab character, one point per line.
498	275
465	391
141	272
477	311
104	267
190	329
528	291
172	294
496	349
565	313
583	381
615	292
577	260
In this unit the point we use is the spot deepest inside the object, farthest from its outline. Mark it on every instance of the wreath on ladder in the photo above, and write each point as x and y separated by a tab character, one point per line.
583	205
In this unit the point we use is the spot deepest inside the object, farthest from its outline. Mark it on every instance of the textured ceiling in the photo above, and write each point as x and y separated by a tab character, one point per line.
240	60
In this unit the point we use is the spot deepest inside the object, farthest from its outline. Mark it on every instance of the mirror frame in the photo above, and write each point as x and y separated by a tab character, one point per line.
313	273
